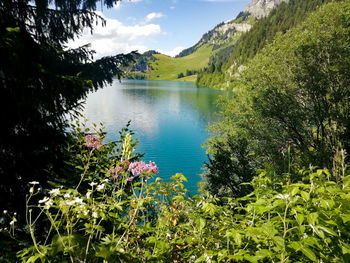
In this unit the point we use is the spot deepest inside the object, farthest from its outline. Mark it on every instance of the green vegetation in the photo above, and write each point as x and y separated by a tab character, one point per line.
277	184
112	217
43	84
217	42
280	20
294	94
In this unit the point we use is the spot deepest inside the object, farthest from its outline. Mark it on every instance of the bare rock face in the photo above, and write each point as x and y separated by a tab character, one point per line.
261	8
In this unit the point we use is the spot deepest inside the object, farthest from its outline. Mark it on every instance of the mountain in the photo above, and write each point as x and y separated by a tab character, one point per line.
261	8
215	46
222	70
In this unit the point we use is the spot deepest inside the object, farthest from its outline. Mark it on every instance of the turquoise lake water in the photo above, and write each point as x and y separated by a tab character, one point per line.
169	119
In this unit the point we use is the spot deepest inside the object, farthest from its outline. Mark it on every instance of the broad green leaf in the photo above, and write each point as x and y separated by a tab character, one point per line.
305	195
345	249
279	241
300	218
312	218
309	253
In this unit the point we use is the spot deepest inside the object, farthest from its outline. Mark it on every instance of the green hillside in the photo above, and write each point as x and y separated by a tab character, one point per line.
168	68
223	69
191	61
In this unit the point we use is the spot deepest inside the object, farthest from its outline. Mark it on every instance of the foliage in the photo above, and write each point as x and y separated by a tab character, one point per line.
281	19
294	93
115	219
43	84
229	168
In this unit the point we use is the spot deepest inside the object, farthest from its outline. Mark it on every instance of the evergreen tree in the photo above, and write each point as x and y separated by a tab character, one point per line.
42	84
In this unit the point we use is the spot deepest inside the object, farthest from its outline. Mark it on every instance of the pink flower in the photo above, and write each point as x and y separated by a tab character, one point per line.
115	172
130	179
93	141
137	168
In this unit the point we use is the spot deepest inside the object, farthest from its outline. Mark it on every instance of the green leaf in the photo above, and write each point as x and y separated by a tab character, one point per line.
309	253
312	218
296	245
295	191
300	218
345	249
279	241
305	195
201	222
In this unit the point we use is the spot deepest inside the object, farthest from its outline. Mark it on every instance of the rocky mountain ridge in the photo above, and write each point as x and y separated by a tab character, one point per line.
261	8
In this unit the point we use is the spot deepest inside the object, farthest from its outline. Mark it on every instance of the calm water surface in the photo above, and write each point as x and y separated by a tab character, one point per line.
169	119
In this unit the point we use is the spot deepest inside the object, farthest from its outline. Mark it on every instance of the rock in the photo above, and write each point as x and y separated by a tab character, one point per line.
261	8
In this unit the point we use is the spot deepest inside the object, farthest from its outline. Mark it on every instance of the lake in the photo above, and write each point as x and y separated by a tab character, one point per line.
169	119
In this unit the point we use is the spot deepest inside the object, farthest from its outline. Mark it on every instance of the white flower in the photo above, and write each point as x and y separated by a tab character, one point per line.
92	184
78	201
5	212
100	187
48	204
281	196
104	180
55	191
94	214
34	182
88	194
44	200
168	235
31	190
85	212
66	196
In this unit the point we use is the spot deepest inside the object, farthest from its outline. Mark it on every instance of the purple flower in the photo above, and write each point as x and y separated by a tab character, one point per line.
93	141
138	168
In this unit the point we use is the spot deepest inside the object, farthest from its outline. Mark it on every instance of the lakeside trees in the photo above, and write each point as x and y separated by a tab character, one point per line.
42	84
294	96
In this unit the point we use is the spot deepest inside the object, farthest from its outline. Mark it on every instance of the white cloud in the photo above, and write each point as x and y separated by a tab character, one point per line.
117	38
173	52
119	4
153	15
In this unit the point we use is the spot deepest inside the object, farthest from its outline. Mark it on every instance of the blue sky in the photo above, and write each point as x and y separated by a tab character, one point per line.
163	25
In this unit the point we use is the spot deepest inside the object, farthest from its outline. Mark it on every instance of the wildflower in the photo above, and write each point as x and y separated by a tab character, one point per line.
5	212
31	190
92	184
66	196
34	182
130	179
100	187
43	200
115	172
78	200
281	150
281	196
55	192
48	204
93	141
137	168
94	214
88	194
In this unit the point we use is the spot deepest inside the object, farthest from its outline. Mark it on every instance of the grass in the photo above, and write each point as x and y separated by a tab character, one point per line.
168	68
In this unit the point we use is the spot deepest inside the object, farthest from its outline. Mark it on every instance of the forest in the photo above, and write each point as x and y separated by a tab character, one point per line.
276	187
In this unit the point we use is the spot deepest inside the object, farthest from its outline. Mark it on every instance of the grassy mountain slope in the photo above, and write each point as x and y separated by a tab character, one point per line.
190	61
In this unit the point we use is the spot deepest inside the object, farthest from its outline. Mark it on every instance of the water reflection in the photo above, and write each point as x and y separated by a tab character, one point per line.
169	119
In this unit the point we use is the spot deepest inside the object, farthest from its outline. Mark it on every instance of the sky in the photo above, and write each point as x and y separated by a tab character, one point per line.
167	26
